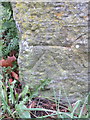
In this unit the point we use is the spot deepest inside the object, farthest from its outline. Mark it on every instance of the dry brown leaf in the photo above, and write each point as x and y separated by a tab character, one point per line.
8	61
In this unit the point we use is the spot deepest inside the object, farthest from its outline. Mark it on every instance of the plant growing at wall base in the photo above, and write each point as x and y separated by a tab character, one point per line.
9	35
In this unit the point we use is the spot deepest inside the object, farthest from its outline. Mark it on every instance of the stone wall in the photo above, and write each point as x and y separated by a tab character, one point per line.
53	45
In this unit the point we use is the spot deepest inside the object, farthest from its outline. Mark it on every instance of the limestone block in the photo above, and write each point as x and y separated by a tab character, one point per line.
53	45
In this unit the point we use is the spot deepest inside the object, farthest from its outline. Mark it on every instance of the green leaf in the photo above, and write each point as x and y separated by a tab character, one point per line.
1	77
20	108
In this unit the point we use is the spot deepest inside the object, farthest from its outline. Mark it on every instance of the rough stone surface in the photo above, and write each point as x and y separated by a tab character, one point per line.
53	45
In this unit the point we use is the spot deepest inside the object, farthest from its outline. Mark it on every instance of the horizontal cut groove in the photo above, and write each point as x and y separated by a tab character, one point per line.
53	46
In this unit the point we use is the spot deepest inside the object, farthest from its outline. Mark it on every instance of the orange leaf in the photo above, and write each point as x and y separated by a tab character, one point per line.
15	75
8	61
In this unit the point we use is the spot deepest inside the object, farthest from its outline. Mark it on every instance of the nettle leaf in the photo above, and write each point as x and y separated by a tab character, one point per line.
20	108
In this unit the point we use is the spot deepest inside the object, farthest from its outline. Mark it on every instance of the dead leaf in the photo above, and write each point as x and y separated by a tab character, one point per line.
15	75
8	61
10	80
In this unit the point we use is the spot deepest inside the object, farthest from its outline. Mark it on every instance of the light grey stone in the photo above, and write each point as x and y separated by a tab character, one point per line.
54	46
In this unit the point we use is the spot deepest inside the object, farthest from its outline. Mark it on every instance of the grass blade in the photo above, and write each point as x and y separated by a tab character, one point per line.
47	110
81	112
76	106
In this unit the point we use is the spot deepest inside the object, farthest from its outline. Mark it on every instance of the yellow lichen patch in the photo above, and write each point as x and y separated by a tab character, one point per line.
29	40
20	5
56	20
24	36
19	22
48	8
32	17
59	14
24	24
25	18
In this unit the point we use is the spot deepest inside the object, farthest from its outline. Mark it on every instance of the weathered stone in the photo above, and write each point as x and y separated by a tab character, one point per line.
53	45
